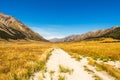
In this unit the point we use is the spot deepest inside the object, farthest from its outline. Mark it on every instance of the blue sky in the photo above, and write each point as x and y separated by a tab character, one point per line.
59	18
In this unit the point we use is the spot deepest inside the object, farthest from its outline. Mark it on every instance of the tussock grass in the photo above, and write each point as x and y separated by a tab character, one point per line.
97	77
91	62
111	70
95	49
76	56
63	69
104	49
88	70
92	72
61	77
108	68
51	74
19	60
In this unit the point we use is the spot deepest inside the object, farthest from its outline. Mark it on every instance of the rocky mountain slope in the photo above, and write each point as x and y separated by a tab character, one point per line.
11	28
113	32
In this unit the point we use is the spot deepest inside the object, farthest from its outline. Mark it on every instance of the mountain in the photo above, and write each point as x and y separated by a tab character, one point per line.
11	28
55	40
113	32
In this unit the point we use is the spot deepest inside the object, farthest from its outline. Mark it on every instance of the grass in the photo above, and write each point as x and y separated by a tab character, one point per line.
88	70
97	77
92	48
92	72
104	49
91	62
105	67
19	60
63	69
51	74
61	77
76	56
111	70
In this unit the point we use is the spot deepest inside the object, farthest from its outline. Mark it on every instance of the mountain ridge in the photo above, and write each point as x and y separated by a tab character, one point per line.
113	32
11	28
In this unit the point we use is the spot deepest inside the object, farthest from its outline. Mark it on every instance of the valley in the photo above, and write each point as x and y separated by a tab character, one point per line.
26	55
85	60
61	66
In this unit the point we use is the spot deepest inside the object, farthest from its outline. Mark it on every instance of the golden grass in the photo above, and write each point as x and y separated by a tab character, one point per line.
111	70
105	67
61	77
19	60
104	49
95	49
63	69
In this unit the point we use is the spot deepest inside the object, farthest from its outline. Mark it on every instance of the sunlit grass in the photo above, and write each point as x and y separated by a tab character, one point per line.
61	77
111	70
63	69
19	60
97	77
88	70
105	67
104	49
95	49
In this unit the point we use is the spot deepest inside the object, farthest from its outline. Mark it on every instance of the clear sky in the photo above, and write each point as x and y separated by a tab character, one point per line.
59	18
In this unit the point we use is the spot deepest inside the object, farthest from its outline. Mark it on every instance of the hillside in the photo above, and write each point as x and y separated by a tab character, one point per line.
11	28
113	32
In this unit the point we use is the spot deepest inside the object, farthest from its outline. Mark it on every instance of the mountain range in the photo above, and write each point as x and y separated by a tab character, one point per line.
11	28
113	32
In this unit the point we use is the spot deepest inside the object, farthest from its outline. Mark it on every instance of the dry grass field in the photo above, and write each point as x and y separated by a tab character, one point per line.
19	60
102	49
